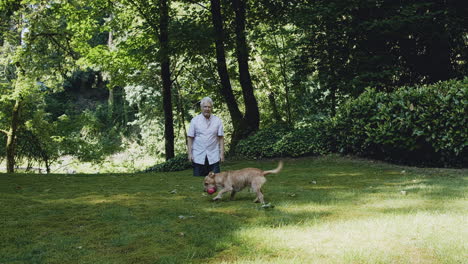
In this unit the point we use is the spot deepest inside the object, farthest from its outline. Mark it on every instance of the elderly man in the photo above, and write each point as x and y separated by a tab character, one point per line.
205	140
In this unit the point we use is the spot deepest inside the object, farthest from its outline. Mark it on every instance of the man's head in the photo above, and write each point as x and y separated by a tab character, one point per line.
206	105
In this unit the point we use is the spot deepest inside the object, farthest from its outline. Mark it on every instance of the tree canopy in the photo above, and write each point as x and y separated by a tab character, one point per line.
85	78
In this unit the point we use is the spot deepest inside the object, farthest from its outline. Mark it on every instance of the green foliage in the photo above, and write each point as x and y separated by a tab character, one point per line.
310	140
307	58
283	141
178	163
262	143
351	45
3	140
422	125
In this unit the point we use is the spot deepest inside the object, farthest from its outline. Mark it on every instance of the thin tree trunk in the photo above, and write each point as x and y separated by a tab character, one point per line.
11	137
166	78
271	93
274	107
181	110
47	164
282	63
110	100
239	123
252	114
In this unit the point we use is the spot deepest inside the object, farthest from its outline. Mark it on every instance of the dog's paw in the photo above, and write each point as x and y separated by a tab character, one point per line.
268	205
216	199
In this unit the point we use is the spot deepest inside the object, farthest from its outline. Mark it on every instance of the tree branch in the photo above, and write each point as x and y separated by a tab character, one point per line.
197	3
140	8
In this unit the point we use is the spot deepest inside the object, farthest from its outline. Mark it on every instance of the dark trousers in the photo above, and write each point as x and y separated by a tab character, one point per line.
203	170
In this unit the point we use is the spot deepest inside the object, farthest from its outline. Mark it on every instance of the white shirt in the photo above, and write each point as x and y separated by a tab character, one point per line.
205	133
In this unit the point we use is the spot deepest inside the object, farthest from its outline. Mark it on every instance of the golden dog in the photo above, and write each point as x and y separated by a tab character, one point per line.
235	181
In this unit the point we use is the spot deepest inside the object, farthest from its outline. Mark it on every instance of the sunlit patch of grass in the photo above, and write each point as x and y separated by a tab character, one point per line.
327	210
418	238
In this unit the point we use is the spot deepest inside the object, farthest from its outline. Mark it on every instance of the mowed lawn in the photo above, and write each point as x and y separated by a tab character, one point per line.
326	210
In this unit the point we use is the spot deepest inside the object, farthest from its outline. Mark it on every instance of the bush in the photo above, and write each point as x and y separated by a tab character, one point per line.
421	126
424	125
178	163
283	141
311	140
262	143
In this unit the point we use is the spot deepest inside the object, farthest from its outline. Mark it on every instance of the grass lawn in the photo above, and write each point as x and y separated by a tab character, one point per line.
327	210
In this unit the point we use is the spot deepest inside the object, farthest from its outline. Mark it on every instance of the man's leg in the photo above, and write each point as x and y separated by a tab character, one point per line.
215	167
197	169
206	167
201	170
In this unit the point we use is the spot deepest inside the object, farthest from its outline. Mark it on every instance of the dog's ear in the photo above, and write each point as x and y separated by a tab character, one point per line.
211	174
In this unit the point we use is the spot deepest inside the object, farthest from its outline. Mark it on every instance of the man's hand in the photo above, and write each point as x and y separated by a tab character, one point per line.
221	147
189	148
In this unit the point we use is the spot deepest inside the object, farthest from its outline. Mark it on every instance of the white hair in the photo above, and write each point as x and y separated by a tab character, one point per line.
206	100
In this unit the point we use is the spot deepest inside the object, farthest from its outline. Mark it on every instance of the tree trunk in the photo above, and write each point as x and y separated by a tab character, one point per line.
252	114
181	110
47	164
166	78
11	137
270	90
282	64
239	123
274	107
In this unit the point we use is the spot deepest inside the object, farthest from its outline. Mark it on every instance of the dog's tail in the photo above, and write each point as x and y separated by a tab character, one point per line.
278	169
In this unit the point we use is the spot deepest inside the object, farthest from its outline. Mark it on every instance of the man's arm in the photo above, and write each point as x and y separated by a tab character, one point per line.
221	147
189	148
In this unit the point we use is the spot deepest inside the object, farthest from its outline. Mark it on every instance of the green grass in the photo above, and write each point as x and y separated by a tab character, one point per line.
355	212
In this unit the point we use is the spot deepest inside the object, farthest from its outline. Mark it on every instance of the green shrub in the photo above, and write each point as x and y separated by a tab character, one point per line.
283	141
424	125
262	143
311	140
178	163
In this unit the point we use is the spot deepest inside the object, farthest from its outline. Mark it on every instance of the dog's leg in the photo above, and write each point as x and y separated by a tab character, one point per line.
233	192
220	194
257	188
259	197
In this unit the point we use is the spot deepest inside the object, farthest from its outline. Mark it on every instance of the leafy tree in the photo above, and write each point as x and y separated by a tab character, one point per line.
384	44
35	54
252	115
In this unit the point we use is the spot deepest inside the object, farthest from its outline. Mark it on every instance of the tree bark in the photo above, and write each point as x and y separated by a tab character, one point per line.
11	137
252	114
274	107
282	64
166	78
239	123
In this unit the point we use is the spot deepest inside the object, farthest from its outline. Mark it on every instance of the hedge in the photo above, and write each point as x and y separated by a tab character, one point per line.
424	125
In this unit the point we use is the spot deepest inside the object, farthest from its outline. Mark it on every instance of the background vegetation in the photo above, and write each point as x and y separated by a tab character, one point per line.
96	81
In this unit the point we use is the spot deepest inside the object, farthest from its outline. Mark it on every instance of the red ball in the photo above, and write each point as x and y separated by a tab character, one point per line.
211	190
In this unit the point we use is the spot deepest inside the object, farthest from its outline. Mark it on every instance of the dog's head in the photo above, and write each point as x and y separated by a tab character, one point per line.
209	181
